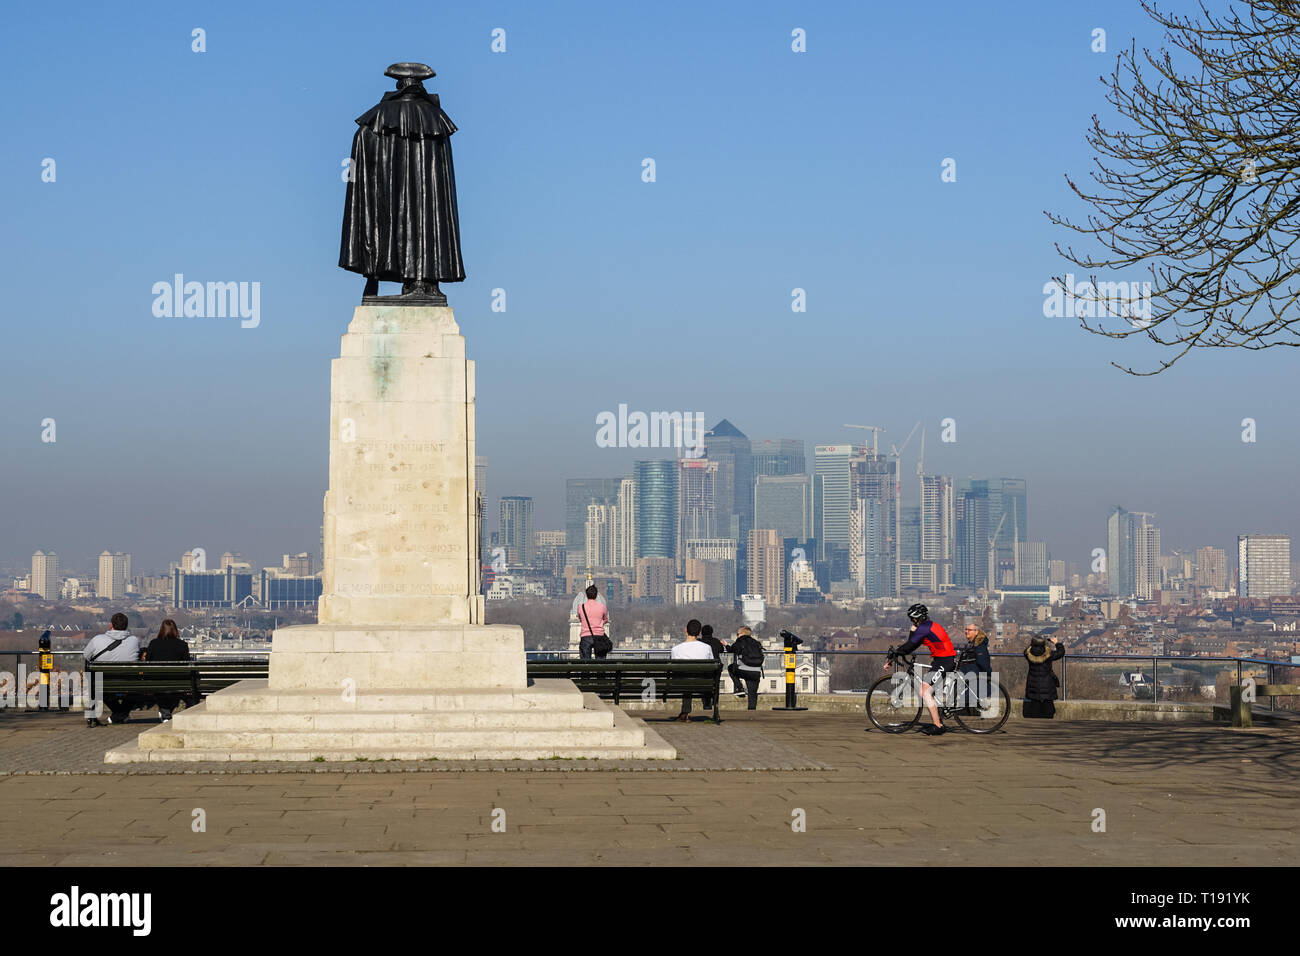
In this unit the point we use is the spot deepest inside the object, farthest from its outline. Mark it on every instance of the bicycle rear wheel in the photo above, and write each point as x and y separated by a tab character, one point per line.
985	719
892	704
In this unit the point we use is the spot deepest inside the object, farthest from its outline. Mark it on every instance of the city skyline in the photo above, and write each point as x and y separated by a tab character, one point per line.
934	310
87	559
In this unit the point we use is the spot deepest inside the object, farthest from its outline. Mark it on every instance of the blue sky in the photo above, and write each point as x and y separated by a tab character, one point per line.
775	170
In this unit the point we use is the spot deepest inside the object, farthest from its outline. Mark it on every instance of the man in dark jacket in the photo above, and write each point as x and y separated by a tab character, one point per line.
1041	681
747	665
706	637
976	662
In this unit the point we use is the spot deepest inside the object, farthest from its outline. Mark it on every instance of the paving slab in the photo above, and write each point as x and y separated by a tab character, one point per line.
1172	794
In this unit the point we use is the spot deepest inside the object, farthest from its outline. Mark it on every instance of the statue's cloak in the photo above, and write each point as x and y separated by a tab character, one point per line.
399	219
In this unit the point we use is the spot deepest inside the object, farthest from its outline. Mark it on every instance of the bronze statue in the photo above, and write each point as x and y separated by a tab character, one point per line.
399	219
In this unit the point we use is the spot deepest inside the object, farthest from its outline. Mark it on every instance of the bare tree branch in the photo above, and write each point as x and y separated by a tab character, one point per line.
1199	189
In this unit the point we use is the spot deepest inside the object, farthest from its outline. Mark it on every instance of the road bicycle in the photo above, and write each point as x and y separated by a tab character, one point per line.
970	698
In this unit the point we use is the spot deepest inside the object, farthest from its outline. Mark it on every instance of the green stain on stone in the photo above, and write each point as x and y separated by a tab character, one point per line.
381	370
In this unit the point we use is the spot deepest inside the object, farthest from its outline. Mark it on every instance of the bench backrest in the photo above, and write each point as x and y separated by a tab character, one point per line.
196	678
615	680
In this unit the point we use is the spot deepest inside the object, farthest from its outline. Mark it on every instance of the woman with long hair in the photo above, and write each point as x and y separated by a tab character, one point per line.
167	646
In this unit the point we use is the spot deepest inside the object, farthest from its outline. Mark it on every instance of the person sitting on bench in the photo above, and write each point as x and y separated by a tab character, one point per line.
114	646
692	649
167	646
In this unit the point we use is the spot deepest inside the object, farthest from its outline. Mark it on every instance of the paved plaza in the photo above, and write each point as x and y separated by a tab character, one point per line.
1173	794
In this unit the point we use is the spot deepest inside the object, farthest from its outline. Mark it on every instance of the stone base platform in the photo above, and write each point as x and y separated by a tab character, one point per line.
251	722
432	657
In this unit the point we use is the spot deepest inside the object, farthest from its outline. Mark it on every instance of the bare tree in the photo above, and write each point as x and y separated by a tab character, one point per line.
1199	187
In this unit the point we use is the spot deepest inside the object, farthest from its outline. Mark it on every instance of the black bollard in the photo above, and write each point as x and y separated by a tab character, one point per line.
791	642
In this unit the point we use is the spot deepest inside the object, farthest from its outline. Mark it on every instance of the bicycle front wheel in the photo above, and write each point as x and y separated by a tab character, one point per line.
892	704
986	714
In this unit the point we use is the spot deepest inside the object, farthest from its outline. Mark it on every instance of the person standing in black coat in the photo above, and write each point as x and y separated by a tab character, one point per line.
1041	681
746	666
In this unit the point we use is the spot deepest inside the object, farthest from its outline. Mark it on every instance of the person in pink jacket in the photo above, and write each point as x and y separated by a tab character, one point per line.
593	619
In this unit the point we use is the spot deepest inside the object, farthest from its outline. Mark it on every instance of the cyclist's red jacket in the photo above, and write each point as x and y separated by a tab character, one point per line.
934	637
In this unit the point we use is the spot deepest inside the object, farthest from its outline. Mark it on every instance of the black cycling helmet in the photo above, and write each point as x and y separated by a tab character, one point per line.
918	613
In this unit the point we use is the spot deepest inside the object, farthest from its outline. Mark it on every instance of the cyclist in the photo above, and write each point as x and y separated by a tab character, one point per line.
943	658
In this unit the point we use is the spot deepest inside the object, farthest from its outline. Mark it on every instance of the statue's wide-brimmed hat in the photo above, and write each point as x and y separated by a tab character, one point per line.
414	71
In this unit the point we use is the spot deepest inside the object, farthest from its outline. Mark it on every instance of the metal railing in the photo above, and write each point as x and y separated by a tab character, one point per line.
822	676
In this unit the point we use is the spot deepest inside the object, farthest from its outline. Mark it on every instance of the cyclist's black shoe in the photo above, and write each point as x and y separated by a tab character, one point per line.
933	731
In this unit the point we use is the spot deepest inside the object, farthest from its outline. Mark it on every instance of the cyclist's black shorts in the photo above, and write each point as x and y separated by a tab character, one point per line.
942	665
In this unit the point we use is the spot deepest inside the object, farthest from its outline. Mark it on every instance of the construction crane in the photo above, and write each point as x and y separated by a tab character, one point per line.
920	491
875	436
992	553
897	536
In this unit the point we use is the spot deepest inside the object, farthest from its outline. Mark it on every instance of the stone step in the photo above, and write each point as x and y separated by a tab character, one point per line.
200	718
165	737
132	753
253	696
616	737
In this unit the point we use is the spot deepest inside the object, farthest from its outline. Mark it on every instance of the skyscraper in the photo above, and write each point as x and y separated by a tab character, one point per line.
578	493
1032	566
1132	554
938	526
1119	551
625	544
910	534
784	503
870	558
1212	568
777	457
712	562
697	505
1263	565
973	533
766	571
832	464
875	481
844	476
1007	497
516	534
45	575
1146	556
602	530
114	575
731	449
656	508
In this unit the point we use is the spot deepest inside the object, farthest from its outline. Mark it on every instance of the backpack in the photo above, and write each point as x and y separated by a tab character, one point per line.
751	653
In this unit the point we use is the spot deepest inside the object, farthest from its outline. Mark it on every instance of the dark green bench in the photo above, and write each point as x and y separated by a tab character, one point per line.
126	687
618	680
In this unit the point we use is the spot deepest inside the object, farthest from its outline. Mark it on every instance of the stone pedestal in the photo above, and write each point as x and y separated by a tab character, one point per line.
401	530
401	664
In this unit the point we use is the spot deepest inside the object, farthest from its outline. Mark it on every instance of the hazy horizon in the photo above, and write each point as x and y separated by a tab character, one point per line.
775	171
